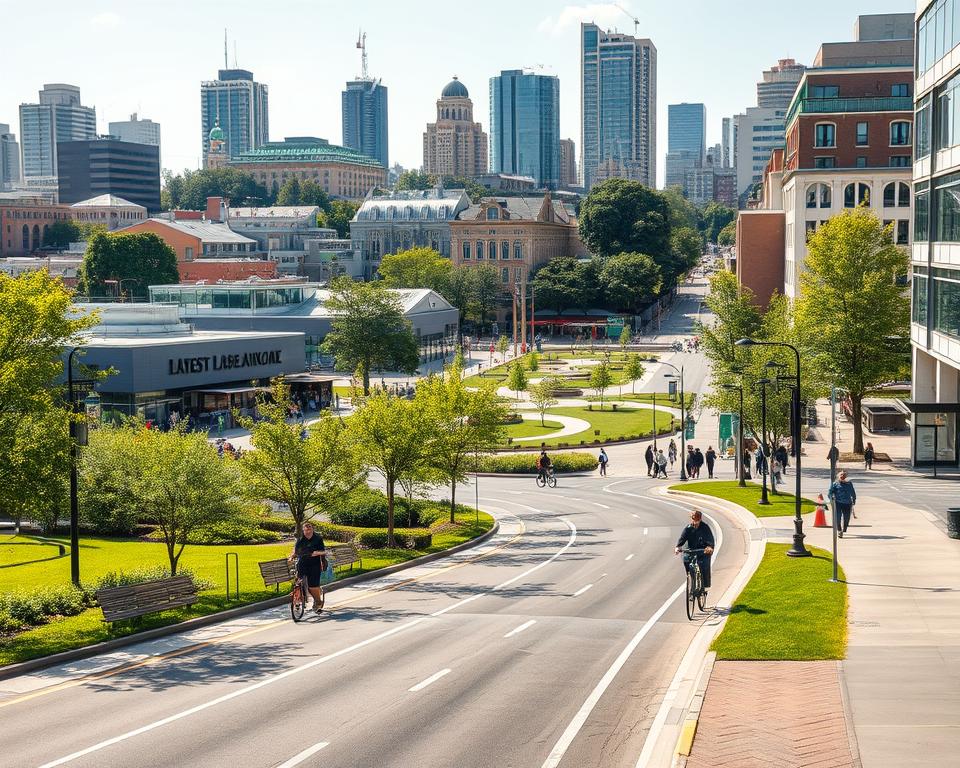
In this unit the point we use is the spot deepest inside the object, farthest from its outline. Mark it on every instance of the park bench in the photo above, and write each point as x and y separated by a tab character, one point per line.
134	600
345	554
277	572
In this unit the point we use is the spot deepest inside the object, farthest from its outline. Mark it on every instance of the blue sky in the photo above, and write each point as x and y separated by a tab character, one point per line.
150	57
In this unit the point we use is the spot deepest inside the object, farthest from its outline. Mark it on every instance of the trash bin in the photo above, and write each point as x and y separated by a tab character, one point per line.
953	522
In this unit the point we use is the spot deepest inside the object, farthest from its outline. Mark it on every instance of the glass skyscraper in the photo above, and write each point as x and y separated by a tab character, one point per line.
619	106
58	117
687	129
525	126
239	104
364	105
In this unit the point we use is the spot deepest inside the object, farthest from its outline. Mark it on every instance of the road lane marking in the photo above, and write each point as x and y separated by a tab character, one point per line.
518	630
301	756
598	504
645	531
430	680
582	590
635	515
573	538
629	557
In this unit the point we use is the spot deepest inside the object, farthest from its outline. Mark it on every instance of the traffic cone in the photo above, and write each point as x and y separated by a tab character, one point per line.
820	519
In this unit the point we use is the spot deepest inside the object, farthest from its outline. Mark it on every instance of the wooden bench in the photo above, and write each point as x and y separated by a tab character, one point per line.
134	600
345	554
277	572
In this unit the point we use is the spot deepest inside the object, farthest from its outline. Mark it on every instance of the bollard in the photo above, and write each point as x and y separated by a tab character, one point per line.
953	522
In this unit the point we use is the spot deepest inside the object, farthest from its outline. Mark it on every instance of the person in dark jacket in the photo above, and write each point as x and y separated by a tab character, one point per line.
761	460
868	454
648	457
746	464
697	462
843	496
783	457
711	457
688	461
697	535
311	561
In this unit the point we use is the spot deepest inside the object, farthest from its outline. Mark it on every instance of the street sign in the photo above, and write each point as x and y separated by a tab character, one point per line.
613	320
727	425
690	431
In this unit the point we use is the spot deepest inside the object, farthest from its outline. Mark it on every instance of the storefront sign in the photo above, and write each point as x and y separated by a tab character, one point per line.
181	365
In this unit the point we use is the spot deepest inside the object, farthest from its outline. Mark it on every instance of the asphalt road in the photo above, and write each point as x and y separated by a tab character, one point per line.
552	645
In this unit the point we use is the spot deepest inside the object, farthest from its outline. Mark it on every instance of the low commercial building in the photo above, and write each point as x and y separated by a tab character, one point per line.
24	221
109	211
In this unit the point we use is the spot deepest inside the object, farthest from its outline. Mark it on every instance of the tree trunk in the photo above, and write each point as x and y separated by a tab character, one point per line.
391	539
366	381
172	557
453	501
856	402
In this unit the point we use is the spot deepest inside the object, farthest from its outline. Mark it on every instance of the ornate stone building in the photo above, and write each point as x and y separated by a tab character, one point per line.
455	145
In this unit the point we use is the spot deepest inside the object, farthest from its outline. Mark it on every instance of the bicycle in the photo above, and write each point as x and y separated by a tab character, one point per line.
695	594
299	596
547	478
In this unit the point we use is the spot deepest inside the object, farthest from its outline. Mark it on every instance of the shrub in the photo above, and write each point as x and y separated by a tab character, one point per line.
241	531
20	609
375	538
277	524
367	508
526	464
140	575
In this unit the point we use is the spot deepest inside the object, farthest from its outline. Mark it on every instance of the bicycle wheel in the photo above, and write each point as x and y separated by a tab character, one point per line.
540	481
298	603
701	596
691	594
552	481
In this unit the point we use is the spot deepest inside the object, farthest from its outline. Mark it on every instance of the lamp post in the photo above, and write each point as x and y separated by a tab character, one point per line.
798	549
763	441
683	419
78	436
742	482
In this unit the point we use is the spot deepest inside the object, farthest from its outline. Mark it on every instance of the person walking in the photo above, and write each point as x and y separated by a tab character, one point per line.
776	468
782	457
760	459
833	454
688	461
868	454
648	457
746	464
672	452
843	496
697	463
602	461
711	457
661	462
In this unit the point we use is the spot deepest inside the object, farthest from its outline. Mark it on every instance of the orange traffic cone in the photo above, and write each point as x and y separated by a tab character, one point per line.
820	520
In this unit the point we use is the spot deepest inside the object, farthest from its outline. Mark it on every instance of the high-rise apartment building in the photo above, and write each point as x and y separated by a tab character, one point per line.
618	106
9	158
455	145
364	104
240	105
778	84
727	142
759	130
87	169
59	116
136	130
525	126
568	164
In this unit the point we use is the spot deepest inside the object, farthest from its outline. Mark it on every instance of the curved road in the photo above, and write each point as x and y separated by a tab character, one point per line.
551	645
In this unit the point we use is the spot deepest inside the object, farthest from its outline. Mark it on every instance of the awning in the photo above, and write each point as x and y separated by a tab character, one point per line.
931	407
309	378
230	390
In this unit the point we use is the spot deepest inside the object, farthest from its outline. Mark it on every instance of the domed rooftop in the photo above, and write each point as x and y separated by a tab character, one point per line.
216	133
455	90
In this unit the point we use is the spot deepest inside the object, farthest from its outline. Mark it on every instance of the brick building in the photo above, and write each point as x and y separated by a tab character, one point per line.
24	221
760	253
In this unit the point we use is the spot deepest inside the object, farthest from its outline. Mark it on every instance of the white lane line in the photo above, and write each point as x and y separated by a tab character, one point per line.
301	756
518	630
430	680
573	498
635	515
645	531
598	504
582	590
602	577
573	537
629	557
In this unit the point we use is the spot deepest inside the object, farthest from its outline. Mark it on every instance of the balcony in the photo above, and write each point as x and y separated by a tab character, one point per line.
865	104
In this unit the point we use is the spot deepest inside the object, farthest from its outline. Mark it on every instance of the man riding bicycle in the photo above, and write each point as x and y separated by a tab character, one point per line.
311	561
543	465
697	535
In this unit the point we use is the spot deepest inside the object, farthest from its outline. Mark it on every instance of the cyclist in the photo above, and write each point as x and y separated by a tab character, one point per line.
543	464
697	535
312	561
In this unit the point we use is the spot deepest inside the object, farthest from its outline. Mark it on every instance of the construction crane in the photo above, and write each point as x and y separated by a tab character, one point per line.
636	21
362	45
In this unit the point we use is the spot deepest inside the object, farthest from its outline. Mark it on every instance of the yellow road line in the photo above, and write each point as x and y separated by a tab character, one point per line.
685	742
150	660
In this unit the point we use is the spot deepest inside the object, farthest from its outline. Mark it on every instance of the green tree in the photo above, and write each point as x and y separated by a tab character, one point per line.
683	213
369	330
486	291
61	233
630	281
533	362
625	339
306	474
517	379
461	422
290	192
459	289
623	216
556	285
108	500
632	370
416	268
190	190
415	180
728	235
503	344
600	379
338	216
389	435
542	397
139	259
715	217
474	189
686	248
33	485
853	318
312	193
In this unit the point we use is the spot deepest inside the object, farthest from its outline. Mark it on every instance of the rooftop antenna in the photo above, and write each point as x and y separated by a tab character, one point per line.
362	45
636	21
226	64
235	54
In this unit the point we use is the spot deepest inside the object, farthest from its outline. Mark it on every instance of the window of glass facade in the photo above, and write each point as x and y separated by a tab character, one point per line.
921	212
492	214
856	194
825	91
919	291
818	195
938	31
922	124
946	301
903	232
863	134
505	275
948	111
899	133
948	208
900	89
861	161
824	162
480	250
825	135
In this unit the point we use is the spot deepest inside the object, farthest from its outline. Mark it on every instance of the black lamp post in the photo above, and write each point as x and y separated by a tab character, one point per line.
683	420
763	441
798	549
78	436
742	482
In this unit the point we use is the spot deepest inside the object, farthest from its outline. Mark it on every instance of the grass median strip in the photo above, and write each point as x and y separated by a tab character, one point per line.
789	611
780	504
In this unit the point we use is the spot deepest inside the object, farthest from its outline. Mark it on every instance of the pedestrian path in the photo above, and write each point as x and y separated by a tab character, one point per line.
571	426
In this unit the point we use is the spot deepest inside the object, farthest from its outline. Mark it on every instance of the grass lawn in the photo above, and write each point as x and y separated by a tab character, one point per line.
99	556
532	428
789	611
612	424
663	399
781	504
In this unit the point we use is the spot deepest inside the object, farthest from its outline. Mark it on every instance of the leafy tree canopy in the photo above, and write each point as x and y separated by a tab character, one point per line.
630	281
715	217
623	216
416	268
139	259
338	217
190	190
728	235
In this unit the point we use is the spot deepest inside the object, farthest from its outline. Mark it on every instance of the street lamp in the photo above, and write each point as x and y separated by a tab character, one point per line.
683	420
78	436
798	549
763	440
742	482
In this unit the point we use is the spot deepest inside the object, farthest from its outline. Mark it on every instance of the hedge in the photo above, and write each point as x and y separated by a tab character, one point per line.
375	538
25	609
527	464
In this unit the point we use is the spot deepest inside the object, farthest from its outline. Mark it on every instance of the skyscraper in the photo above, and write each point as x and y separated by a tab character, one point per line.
364	105
240	105
58	117
455	145
779	82
525	126
687	129
87	169
136	130
727	142
9	157
568	163
618	106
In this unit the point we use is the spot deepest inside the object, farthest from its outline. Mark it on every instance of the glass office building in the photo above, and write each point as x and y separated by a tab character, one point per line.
240	105
59	116
365	122
525	126
687	129
619	106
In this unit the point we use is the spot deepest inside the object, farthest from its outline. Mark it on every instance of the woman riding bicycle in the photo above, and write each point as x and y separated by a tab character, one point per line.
543	465
311	562
697	536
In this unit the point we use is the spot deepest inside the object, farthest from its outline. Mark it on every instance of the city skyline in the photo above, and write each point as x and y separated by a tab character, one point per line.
121	69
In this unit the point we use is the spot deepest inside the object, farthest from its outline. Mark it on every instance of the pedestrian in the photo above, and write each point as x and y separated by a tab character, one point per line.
603	460
648	457
868	456
688	461
833	455
697	463
760	460
661	465
711	457
843	496
746	464
775	469
672	452
782	457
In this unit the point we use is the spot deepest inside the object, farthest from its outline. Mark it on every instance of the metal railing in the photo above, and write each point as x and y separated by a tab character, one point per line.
863	104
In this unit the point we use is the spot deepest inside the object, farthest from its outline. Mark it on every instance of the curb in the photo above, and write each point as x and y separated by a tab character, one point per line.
32	665
689	729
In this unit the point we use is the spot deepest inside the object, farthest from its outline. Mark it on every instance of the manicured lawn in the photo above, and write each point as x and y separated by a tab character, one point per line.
789	611
532	428
99	556
781	504
623	422
663	399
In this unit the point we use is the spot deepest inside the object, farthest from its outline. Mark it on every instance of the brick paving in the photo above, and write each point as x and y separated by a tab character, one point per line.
781	714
